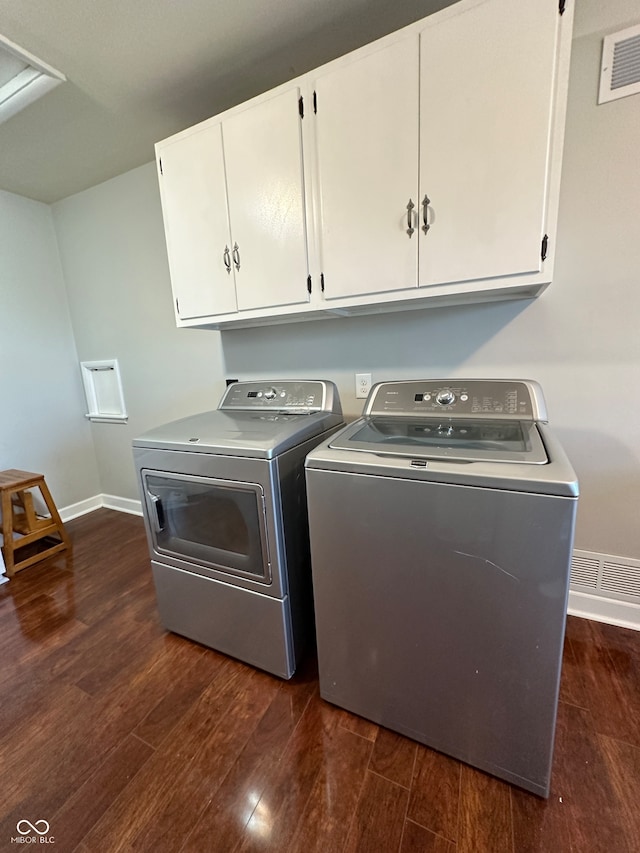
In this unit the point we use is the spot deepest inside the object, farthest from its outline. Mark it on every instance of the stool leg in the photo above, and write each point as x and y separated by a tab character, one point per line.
7	531
25	499
55	515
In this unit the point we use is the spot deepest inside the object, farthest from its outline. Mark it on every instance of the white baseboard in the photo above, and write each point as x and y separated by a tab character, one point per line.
122	504
624	614
81	508
98	502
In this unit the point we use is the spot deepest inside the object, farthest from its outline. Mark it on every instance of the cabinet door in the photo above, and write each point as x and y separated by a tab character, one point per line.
194	205
486	95
367	149
263	158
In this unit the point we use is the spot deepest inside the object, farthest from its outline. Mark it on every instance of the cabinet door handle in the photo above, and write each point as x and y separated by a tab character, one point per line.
410	228
227	259
236	256
426	201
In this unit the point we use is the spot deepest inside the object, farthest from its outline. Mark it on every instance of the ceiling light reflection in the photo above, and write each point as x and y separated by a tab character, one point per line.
260	818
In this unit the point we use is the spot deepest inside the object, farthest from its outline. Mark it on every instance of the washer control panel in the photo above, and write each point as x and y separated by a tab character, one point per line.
473	398
290	396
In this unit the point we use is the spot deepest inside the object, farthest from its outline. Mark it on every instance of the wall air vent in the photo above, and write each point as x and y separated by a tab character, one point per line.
23	78
606	575
620	72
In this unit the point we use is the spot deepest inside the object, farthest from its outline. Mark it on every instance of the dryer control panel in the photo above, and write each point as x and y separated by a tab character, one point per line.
478	398
290	396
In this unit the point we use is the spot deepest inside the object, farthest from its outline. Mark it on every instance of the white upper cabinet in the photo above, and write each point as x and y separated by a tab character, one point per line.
366	130
423	169
263	158
486	96
234	211
194	206
477	177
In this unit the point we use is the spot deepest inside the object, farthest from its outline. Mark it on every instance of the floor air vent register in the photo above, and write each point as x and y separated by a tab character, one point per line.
617	577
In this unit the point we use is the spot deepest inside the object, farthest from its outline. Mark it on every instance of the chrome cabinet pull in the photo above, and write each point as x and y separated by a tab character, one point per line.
410	228
236	256
227	259
426	201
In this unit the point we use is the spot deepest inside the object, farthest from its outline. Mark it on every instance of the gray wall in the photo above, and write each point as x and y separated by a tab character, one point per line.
42	424
579	339
113	254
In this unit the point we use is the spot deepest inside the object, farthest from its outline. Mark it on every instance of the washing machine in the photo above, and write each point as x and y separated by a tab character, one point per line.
224	503
441	526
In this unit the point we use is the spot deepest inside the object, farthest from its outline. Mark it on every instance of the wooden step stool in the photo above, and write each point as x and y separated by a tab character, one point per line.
19	516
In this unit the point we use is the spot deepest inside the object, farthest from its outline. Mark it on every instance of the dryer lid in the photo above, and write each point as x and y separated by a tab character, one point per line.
261	435
258	419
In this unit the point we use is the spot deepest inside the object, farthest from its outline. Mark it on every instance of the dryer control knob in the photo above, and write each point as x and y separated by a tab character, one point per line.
445	398
270	394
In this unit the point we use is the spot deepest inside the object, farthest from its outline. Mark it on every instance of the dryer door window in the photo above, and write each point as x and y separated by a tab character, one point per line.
217	523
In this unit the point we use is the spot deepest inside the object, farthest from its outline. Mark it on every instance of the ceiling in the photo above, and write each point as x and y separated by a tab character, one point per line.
140	70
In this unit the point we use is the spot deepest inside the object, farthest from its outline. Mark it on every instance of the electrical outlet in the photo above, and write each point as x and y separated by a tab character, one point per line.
363	384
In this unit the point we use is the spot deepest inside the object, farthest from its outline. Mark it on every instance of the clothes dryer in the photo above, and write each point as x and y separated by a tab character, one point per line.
224	502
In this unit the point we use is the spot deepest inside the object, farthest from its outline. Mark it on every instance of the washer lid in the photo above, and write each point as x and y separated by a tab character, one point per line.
338	454
464	440
253	434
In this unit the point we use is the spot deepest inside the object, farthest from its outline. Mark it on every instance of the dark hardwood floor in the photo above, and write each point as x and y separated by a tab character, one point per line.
124	737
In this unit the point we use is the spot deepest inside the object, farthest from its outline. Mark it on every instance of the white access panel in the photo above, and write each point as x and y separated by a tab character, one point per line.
486	103
367	149
194	204
263	158
103	391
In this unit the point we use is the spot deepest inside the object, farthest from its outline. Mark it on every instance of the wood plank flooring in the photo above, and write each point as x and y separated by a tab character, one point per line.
124	737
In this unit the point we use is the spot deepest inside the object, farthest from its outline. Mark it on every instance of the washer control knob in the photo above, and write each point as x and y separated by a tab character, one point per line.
445	398
270	394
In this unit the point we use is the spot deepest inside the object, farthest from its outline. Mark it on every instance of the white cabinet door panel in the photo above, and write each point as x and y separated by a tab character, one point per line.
263	160
485	112
194	202
367	148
